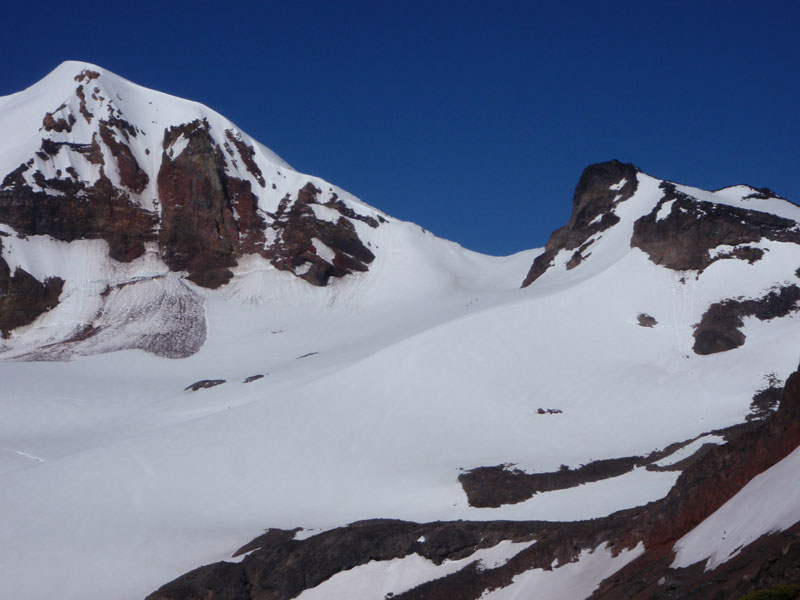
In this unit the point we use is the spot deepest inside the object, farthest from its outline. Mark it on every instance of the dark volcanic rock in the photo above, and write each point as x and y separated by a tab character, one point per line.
205	218
280	567
23	297
681	240
699	491
246	153
60	123
219	581
646	320
490	487
766	400
592	212
204	384
718	329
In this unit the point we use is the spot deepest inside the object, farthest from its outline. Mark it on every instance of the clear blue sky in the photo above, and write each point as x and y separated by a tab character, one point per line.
472	119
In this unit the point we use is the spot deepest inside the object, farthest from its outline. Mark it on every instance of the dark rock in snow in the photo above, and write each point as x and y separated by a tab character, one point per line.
23	297
718	329
592	212
646	320
204	384
682	239
198	231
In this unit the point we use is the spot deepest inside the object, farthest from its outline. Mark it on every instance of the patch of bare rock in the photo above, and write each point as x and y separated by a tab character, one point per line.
203	384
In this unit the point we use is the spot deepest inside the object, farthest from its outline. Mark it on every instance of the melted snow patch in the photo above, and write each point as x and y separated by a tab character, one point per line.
572	581
325	213
304	534
619	185
769	502
689	449
664	211
324	251
175	149
377	579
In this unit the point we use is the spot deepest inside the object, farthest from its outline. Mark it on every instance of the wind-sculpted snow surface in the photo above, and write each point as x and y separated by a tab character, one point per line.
338	366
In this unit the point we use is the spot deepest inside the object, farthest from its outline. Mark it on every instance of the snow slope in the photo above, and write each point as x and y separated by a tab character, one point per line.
377	390
769	503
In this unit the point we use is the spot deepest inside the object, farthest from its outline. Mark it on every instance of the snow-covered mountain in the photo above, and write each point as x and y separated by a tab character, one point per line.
200	344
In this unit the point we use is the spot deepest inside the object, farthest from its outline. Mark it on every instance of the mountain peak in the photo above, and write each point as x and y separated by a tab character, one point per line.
95	158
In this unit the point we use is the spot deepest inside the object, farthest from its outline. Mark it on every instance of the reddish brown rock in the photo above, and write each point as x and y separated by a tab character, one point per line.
130	173
60	124
97	211
198	229
87	114
295	249
246	153
23	298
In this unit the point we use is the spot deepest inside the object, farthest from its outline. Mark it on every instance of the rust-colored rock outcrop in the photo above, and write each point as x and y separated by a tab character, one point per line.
77	211
295	249
198	232
23	297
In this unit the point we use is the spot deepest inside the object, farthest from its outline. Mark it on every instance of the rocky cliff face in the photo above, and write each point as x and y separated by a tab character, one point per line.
600	189
683	238
196	191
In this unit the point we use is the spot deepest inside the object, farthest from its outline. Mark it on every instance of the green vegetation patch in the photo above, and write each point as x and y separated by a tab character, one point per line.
778	592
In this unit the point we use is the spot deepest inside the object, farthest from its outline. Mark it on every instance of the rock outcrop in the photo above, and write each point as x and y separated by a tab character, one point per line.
600	189
23	297
198	193
719	328
683	237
